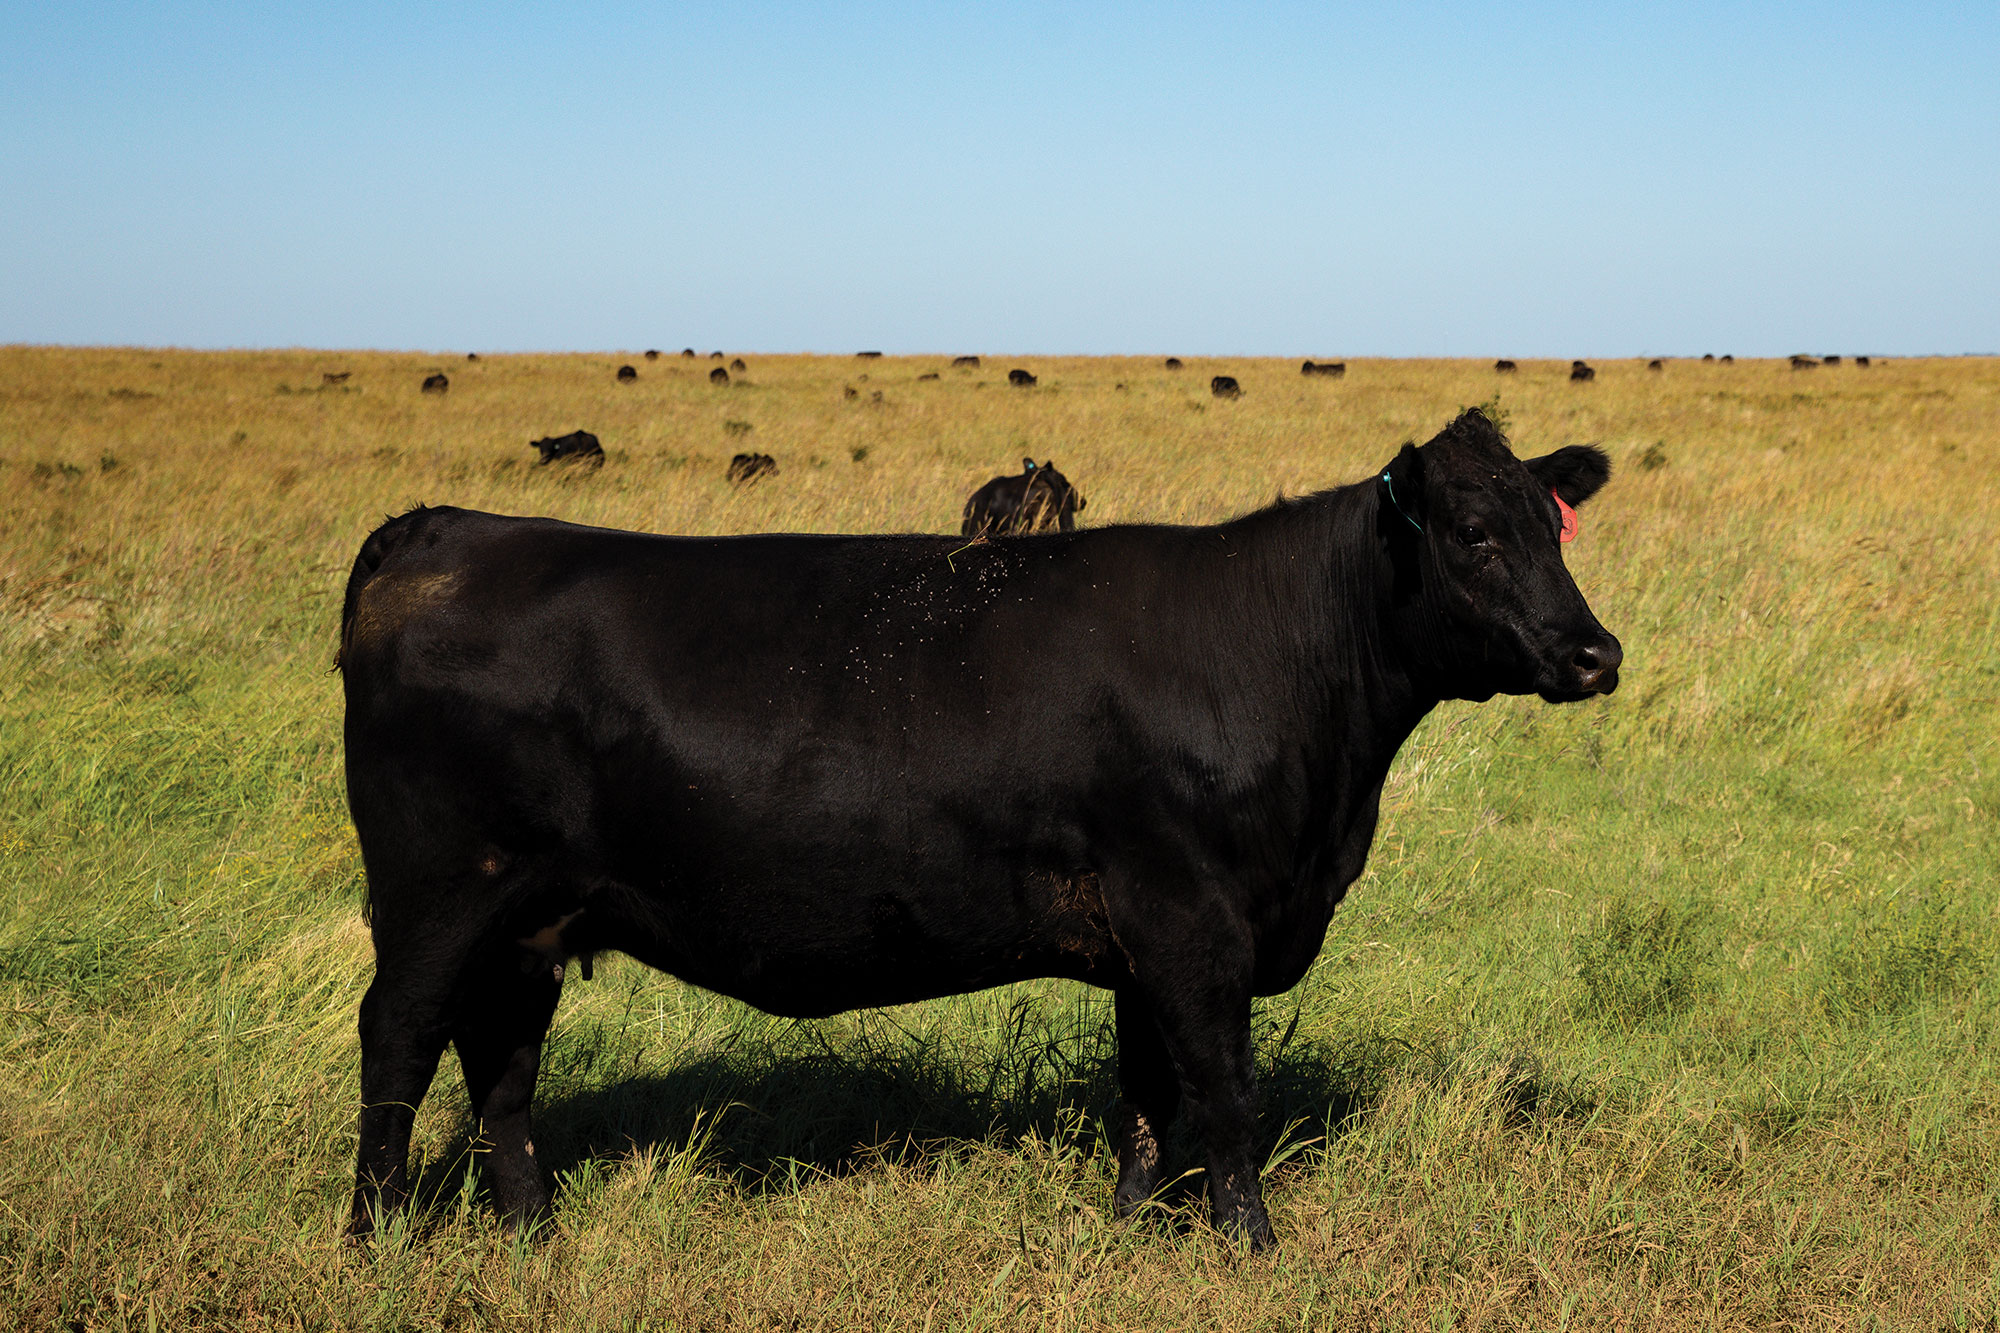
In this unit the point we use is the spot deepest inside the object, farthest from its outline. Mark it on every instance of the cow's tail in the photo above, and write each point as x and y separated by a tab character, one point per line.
381	544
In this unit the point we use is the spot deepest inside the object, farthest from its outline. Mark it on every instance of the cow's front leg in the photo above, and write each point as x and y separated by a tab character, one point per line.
1192	960
1151	1095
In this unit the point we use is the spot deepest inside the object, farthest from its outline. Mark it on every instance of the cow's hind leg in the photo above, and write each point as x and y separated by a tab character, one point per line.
404	1026
499	1036
1151	1096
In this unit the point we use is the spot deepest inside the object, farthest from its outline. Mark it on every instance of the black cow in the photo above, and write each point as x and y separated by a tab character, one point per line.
1804	362
820	773
1727	359
687	353
1830	360
1020	379
652	354
1038	499
577	445
1656	364
867	356
472	356
736	364
1581	372
1173	363
749	467
1708	356
929	375
965	363
1505	367
436	383
1861	361
1225	386
1330	369
715	356
626	374
718	376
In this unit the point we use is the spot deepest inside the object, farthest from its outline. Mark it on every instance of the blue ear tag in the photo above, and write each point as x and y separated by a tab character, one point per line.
1391	487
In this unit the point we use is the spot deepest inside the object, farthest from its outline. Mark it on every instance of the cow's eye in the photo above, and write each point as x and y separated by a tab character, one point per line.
1471	534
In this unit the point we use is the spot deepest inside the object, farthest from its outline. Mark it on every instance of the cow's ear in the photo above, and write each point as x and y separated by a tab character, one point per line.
1575	472
1048	464
1027	465
1402	488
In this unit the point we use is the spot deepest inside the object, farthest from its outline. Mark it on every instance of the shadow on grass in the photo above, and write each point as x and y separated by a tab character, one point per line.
777	1109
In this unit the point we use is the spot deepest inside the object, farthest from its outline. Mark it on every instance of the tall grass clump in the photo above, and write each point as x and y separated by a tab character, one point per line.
1645	961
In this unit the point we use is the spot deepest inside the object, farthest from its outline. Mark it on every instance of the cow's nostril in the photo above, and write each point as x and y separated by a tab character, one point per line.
1594	660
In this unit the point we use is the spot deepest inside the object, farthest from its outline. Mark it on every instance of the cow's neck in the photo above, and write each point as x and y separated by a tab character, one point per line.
1361	693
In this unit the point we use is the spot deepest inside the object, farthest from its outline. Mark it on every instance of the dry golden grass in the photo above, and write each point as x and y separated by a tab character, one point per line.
1673	1010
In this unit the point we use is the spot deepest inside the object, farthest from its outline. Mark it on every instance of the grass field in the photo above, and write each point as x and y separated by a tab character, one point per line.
1672	1009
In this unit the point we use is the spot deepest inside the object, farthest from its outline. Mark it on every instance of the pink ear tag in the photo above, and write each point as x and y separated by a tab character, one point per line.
1569	518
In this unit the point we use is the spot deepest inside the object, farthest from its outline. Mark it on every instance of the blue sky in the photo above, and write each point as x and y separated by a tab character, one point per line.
1520	180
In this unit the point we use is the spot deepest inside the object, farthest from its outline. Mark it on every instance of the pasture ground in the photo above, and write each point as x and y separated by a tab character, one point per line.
1670	1010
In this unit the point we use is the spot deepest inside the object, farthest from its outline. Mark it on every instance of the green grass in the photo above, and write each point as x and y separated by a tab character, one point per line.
1669	1010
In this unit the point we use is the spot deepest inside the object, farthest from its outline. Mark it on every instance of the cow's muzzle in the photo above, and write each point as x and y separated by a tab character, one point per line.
1591	668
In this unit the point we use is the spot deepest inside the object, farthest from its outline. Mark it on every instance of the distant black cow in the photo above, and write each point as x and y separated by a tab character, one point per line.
472	356
577	446
867	356
1505	367
652	354
1831	360
1708	356
436	383
745	468
1579	371
738	366
928	375
1020	379
334	376
965	363
1330	369
1173	363
687	353
1861	361
718	376
715	356
1656	364
820	773
626	374
1727	360
1805	363
1225	386
1038	499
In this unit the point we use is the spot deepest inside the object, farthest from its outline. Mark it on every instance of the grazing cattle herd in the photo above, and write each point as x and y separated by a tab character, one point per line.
1039	497
819	773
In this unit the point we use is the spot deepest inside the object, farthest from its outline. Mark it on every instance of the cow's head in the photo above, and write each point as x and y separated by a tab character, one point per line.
1481	592
1056	493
